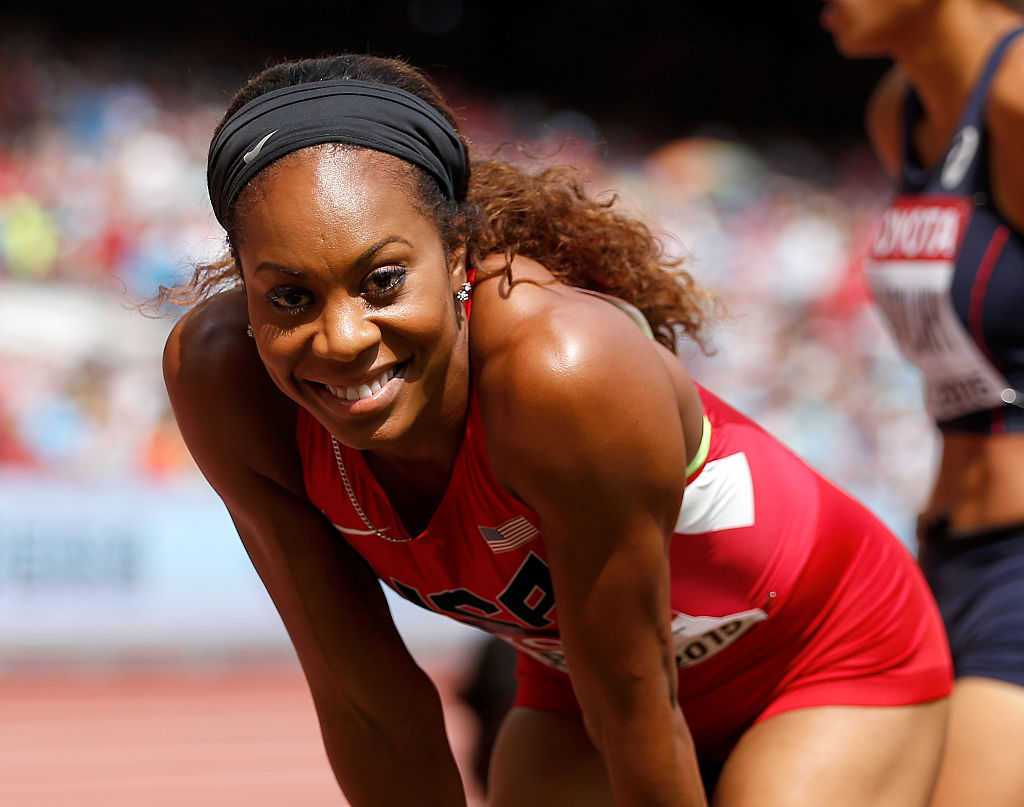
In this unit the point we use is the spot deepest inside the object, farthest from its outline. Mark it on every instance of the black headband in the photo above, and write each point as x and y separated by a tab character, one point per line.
359	113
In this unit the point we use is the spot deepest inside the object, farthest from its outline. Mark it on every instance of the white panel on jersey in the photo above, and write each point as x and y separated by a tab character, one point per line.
720	498
698	638
914	296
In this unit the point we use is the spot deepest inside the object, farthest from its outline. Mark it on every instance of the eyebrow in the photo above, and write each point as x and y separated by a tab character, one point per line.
363	257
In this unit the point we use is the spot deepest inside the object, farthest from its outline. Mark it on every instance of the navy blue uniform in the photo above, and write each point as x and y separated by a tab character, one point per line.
947	271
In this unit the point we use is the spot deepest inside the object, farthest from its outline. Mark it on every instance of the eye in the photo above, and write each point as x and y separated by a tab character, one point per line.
383	281
289	298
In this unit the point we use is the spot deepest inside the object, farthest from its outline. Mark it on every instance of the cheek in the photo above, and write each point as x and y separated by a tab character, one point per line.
279	353
886	17
429	315
862	28
444	323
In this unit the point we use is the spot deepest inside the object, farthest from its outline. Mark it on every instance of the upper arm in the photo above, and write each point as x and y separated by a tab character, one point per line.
240	429
884	120
586	430
1005	118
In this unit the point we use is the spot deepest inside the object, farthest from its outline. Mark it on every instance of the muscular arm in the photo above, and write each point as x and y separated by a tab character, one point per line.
379	713
884	120
584	427
1006	135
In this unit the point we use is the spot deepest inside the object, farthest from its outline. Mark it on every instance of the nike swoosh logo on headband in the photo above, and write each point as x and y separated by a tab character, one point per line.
254	152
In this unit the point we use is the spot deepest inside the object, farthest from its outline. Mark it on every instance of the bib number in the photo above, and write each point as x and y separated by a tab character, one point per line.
911	273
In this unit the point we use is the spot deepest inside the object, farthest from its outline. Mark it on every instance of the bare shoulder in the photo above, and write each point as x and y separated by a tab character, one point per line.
528	319
1005	110
1005	119
884	119
229	411
569	385
513	310
1007	92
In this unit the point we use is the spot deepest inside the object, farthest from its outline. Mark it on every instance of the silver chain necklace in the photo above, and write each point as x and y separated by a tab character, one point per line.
355	502
462	295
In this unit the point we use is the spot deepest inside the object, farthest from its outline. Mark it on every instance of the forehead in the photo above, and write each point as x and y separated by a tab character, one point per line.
323	195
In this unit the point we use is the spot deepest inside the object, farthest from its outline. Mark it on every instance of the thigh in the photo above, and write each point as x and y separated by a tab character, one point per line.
842	756
546	759
982	763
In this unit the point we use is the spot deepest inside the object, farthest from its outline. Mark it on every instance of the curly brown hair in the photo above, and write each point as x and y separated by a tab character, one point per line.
548	216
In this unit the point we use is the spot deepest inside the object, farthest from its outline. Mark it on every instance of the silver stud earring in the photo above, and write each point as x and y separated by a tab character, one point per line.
462	295
249	332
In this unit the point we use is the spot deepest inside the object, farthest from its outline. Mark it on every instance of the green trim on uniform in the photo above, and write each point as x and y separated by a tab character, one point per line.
702	449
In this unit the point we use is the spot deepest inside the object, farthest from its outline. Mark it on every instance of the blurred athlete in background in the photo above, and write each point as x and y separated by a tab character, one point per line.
947	270
449	384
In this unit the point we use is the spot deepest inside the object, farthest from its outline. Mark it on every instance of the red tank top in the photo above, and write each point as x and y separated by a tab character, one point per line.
738	549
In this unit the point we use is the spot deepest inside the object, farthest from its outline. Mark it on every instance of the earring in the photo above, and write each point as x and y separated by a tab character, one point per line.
462	295
249	332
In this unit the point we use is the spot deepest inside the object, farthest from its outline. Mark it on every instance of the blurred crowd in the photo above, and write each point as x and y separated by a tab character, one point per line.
103	198
102	193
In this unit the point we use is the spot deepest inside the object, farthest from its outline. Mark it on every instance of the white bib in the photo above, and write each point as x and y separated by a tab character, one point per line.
910	270
695	638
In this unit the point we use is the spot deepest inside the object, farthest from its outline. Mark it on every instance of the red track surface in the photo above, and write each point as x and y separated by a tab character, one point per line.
183	739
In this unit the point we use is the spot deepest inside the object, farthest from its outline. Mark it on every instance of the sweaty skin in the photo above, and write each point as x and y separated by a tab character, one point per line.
587	421
344	279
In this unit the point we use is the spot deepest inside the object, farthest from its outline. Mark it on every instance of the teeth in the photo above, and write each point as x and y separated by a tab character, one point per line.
363	390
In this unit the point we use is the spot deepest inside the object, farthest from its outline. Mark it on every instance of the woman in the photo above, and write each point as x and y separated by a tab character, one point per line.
948	272
428	398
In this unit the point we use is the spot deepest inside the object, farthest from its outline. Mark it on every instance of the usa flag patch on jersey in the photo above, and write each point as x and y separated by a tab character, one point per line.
513	533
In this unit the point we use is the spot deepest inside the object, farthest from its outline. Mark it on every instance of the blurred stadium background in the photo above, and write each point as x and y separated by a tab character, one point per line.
140	659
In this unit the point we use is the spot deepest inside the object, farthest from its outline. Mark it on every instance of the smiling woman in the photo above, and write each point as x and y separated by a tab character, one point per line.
445	388
358	326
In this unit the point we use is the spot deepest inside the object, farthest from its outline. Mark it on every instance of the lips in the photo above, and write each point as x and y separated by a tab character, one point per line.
366	389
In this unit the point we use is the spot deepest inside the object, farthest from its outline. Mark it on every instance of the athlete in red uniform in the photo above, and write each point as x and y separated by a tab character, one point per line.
500	446
815	581
947	270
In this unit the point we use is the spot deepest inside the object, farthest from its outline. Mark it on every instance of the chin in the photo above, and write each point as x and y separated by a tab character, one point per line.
854	47
366	435
857	51
853	38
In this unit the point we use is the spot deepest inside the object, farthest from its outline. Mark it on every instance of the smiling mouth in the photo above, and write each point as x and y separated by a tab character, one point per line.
368	389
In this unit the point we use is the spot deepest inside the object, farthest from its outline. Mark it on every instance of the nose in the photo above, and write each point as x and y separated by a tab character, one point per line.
345	331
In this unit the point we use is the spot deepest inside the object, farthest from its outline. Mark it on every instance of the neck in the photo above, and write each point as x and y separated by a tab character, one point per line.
425	466
944	53
416	476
